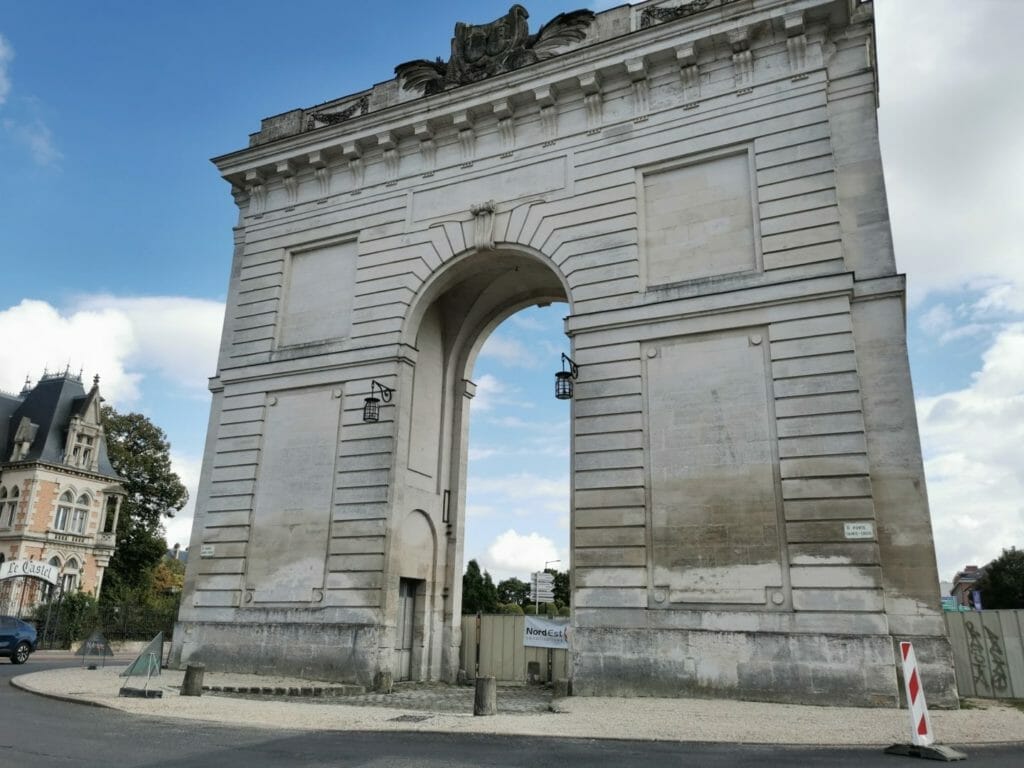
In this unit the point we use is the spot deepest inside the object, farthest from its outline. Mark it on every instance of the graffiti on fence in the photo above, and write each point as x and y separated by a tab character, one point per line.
997	658
977	653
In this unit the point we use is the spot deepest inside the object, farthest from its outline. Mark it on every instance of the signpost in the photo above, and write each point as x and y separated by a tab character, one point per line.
542	588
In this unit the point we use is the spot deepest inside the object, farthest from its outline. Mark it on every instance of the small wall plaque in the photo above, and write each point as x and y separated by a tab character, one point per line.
208	550
859	530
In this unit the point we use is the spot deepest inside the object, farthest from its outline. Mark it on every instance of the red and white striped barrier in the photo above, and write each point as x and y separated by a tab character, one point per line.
920	723
922	741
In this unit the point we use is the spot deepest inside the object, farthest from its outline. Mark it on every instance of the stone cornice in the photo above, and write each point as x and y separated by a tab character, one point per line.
565	74
60	469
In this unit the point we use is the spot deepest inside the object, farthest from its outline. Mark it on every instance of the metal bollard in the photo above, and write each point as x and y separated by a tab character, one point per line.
192	685
485	702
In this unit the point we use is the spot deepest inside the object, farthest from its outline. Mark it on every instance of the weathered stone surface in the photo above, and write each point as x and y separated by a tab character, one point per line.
749	514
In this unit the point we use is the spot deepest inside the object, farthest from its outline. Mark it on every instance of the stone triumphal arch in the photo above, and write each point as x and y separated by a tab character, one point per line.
700	181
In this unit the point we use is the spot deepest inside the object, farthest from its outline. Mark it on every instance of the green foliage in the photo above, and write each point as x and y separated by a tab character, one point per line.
561	589
513	591
138	614
1002	585
74	616
510	609
479	595
140	453
168	576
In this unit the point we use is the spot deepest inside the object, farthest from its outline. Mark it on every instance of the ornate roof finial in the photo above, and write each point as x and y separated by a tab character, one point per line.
28	385
96	380
482	50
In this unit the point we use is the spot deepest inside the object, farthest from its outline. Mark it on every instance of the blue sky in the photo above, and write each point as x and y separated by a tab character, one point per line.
115	231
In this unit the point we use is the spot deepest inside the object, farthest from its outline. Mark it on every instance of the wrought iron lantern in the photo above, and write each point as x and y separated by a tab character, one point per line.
371	405
564	378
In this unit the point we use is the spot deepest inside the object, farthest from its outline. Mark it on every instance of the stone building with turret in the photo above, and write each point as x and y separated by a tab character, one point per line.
59	495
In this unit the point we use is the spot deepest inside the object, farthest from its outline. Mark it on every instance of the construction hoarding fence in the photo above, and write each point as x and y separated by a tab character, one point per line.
494	645
988	651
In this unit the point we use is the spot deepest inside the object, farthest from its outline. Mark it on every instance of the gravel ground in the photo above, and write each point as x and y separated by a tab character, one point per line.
702	720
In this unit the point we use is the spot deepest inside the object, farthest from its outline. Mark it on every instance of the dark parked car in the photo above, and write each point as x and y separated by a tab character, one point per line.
17	639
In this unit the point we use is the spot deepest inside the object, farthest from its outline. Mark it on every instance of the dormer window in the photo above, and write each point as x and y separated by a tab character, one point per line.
83	450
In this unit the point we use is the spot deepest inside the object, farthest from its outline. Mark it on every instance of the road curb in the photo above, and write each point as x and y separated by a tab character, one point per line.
58	696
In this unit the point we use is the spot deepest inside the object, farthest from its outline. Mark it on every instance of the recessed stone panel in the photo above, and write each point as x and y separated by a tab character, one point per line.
318	300
699	220
292	516
714	493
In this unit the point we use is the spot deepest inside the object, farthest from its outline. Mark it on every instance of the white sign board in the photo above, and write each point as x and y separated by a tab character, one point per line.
859	530
207	550
542	578
546	633
36	568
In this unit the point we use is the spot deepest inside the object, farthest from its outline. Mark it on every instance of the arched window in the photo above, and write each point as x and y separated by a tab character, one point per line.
48	588
69	579
63	516
80	515
12	507
3	506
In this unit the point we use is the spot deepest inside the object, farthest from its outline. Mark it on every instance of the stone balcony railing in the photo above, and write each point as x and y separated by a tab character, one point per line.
66	538
102	540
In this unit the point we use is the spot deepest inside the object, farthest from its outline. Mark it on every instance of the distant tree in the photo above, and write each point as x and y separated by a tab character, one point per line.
140	453
479	595
513	591
1002	585
510	608
168	576
561	589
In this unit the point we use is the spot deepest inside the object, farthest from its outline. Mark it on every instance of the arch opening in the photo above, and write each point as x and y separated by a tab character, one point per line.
452	317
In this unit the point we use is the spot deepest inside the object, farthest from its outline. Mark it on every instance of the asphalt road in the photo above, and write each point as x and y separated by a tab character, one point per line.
36	732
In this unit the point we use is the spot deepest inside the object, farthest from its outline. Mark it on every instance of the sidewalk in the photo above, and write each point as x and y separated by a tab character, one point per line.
523	711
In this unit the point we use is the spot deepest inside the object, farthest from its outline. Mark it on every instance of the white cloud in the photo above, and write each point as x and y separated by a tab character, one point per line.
121	339
6	56
488	388
36	336
491	392
176	335
516	554
479	454
37	138
950	140
480	511
178	529
523	486
981	315
510	352
973	443
33	134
